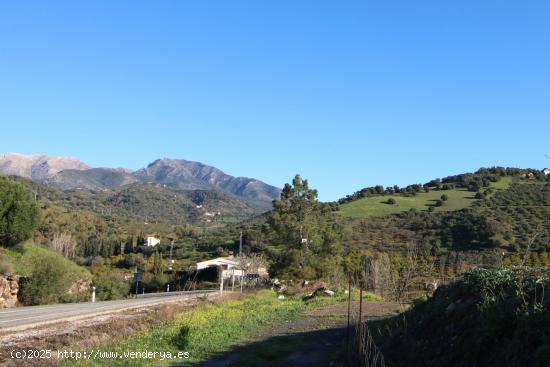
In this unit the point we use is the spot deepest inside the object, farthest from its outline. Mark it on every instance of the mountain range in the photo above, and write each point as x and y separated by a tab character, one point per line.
68	173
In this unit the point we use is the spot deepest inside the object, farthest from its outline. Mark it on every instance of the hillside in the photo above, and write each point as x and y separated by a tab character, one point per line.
92	179
187	175
376	206
511	211
149	203
425	197
20	260
37	167
67	173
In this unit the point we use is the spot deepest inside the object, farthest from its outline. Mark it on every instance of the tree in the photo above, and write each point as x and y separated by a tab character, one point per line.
157	264
307	227
298	215
480	195
19	214
64	244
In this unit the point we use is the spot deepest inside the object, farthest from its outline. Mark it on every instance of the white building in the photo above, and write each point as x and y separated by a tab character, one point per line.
546	171
152	241
229	266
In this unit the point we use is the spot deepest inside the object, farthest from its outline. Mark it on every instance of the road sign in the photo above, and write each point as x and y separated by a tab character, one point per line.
137	277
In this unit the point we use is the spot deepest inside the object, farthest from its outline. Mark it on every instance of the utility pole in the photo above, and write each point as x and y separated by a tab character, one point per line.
241	244
170	267
221	279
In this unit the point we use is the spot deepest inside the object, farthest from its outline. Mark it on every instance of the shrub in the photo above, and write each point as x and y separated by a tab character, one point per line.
444	197
49	281
391	201
110	286
5	268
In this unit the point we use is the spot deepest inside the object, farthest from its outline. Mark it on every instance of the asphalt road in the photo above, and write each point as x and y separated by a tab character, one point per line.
24	317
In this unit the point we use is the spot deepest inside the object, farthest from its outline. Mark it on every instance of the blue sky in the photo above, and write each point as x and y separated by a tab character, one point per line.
348	94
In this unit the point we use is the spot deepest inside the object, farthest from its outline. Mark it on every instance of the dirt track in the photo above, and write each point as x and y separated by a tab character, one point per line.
312	340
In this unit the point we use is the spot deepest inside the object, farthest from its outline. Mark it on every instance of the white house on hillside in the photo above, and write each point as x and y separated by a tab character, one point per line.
546	171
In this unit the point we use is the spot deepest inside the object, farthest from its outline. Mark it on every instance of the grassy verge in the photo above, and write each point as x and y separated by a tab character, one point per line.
213	328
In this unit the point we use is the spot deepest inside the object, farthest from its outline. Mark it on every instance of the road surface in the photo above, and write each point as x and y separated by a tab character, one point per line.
24	317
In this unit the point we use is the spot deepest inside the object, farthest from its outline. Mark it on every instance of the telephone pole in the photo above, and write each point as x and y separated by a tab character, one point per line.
241	244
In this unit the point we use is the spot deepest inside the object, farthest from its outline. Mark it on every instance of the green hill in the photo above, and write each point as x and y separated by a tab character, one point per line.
510	215
377	205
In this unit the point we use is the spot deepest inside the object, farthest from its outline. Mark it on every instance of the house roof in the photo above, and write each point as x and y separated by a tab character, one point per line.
216	262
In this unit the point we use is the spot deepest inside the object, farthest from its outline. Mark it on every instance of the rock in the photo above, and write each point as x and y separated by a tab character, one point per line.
281	296
460	305
329	293
305	282
81	288
9	290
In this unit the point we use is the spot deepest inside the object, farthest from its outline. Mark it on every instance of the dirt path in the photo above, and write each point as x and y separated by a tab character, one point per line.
315	339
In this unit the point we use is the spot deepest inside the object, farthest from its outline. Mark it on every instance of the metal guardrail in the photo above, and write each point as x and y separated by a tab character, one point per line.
178	293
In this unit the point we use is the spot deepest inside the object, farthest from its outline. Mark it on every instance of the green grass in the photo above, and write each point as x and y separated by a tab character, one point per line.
19	258
377	206
503	183
210	329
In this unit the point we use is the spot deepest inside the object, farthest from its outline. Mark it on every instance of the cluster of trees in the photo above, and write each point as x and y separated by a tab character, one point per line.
377	190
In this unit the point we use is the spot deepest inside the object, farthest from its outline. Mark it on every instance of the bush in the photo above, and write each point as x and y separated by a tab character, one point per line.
19	214
49	282
391	201
495	318
444	197
5	268
439	203
110	286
